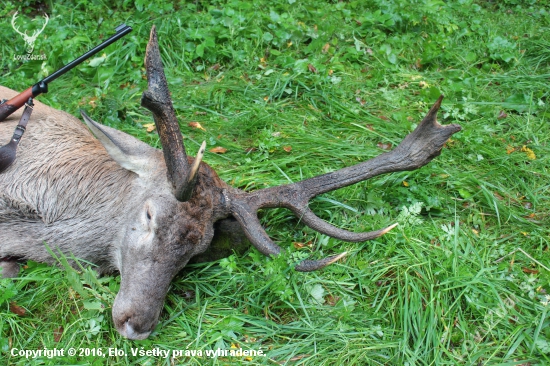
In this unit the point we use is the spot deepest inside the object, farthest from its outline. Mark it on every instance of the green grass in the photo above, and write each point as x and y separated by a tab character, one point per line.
463	279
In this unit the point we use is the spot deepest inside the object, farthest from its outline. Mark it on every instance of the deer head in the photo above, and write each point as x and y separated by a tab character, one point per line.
29	40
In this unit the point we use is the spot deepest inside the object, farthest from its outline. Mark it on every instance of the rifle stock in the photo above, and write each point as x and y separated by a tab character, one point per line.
15	103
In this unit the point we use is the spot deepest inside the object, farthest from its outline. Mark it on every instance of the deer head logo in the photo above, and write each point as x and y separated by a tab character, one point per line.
29	40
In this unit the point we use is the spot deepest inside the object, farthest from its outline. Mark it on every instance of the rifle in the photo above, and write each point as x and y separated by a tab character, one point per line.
10	106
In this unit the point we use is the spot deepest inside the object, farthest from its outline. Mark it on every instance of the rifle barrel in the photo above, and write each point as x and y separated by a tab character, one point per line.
121	30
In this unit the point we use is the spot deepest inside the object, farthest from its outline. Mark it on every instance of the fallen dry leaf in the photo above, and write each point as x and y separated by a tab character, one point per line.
16	309
326	47
150	127
449	143
196	125
287	148
529	270
218	150
312	68
332	300
502	115
369	127
530	153
92	102
384	145
299	245
57	334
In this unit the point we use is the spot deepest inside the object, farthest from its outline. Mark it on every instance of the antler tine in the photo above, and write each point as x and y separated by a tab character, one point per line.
416	150
254	231
192	179
309	265
310	219
157	99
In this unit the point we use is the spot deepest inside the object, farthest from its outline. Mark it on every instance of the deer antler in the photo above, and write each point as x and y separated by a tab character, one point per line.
13	18
36	33
416	150
157	100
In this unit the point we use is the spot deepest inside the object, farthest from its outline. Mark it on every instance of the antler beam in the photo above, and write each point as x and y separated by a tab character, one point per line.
157	99
415	151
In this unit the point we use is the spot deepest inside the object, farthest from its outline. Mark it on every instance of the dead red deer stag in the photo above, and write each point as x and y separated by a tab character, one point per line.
125	206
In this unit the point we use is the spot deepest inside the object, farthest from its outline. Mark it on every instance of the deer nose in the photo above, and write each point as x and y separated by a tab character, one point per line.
129	332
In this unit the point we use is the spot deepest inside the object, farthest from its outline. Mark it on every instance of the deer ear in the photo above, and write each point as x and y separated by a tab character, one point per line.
129	152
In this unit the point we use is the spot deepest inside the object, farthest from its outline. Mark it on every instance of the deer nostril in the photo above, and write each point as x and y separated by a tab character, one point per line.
129	332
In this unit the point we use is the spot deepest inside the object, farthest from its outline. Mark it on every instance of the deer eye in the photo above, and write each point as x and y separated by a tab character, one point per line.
148	216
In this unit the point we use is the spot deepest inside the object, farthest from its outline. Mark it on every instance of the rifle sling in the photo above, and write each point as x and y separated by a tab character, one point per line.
22	126
7	152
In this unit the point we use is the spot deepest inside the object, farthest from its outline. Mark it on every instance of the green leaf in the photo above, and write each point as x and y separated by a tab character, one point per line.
431	93
209	42
93	305
7	291
200	50
543	345
274	16
464	193
95	62
318	293
518	102
268	37
470	57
